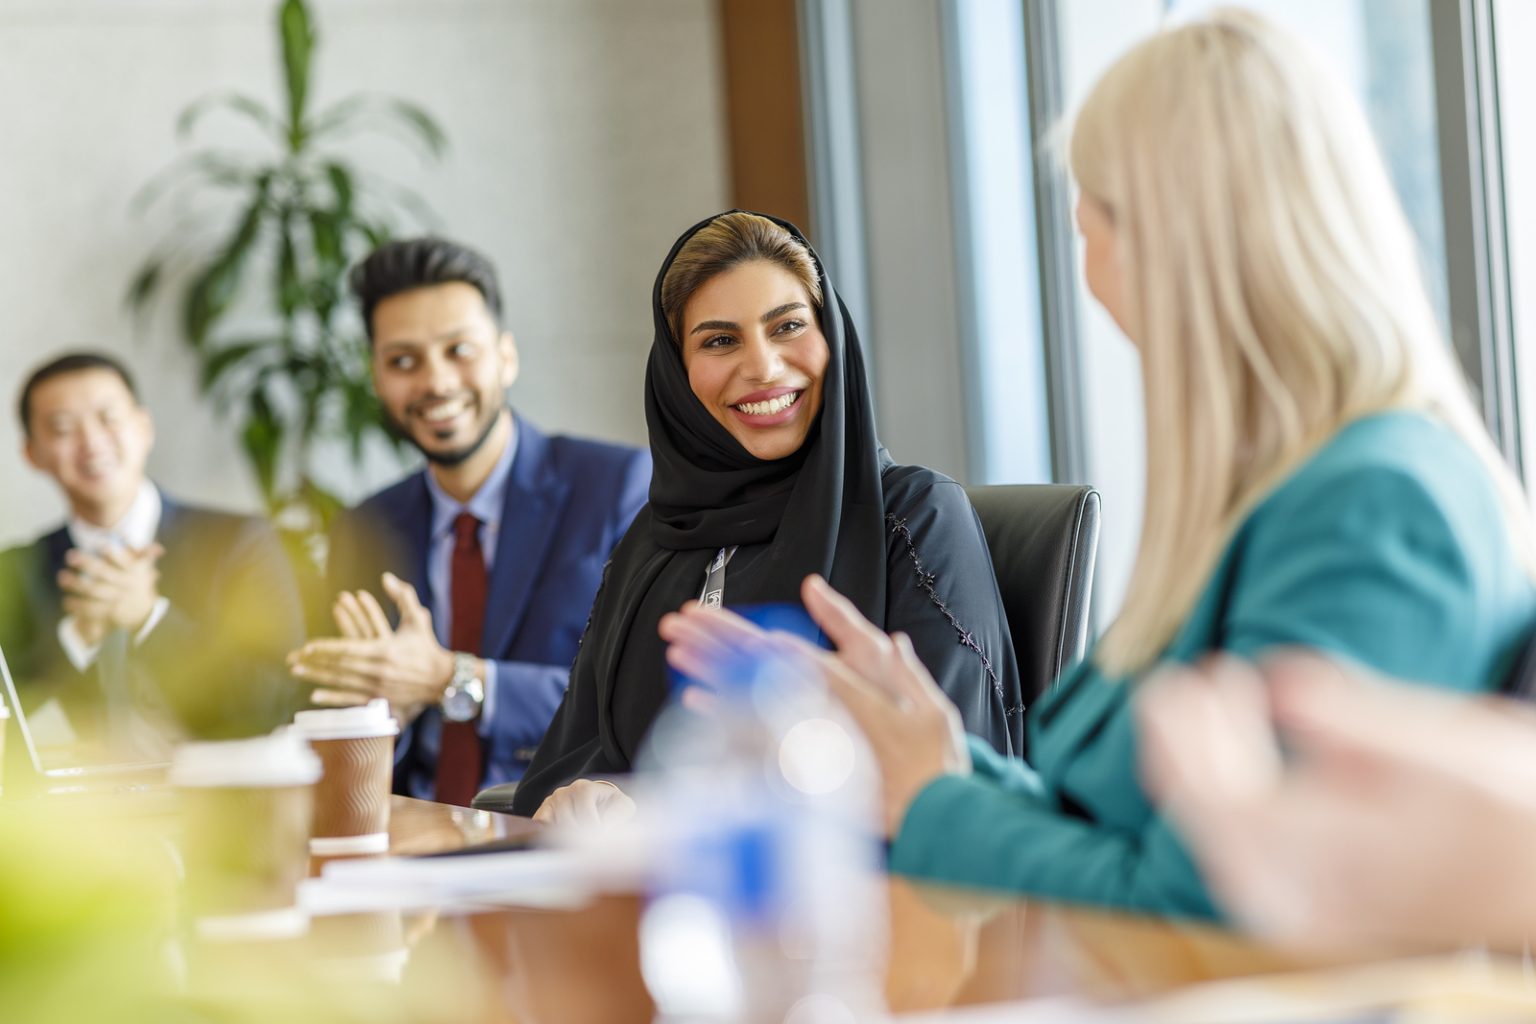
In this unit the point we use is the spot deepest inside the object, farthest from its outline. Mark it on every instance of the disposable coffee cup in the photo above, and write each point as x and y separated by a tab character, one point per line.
356	747
246	807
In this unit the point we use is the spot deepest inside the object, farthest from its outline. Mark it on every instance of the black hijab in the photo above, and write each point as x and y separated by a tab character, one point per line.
819	510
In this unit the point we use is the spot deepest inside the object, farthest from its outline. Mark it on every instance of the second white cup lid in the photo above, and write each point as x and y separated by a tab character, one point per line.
361	722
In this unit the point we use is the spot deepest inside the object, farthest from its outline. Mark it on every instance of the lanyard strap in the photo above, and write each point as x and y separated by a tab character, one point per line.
713	594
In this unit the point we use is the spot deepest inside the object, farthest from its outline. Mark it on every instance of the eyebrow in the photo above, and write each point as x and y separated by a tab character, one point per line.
731	325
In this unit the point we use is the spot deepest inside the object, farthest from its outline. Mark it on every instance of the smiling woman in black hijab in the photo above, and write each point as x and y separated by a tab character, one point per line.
766	459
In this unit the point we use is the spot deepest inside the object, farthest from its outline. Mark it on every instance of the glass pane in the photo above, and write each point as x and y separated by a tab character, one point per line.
995	236
1514	23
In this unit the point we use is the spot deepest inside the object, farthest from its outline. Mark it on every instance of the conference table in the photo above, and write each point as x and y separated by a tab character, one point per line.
951	955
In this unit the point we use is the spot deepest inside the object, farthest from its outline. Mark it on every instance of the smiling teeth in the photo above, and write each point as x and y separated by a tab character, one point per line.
768	408
444	412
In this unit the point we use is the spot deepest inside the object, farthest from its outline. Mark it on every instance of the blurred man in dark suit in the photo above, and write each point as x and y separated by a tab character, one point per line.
137	599
491	555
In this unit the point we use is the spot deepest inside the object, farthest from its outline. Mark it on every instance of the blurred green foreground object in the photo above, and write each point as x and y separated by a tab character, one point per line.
90	932
81	922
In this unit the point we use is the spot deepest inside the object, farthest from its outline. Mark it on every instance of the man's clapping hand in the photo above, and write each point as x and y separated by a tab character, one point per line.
404	664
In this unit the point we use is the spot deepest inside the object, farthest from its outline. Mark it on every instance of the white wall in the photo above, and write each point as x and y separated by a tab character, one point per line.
585	135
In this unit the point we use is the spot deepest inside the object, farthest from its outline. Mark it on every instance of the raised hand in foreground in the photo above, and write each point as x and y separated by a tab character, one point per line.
1397	815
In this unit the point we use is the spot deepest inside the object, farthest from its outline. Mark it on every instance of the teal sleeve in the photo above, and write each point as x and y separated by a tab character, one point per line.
1363	562
972	831
1366	566
1009	774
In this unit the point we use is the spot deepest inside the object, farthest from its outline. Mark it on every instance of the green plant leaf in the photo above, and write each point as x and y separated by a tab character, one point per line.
342	188
305	371
361	413
226	358
263	441
214	288
144	284
324	299
420	122
324	287
338	115
404	198
375	233
212	167
298	38
288	285
207	299
253	109
387	114
325	233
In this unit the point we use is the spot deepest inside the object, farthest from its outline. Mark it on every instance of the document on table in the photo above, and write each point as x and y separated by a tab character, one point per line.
524	878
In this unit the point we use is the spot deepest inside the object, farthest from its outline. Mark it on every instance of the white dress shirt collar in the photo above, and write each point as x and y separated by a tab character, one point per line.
136	529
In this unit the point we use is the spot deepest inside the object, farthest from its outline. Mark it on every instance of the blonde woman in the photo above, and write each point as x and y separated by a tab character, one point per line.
1316	474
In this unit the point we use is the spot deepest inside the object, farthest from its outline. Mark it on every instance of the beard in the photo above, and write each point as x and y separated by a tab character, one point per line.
451	457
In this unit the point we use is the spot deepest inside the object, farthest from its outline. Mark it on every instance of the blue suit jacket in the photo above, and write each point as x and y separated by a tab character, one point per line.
568	502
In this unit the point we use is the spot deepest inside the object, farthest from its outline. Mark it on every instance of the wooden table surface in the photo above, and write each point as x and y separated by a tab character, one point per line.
946	949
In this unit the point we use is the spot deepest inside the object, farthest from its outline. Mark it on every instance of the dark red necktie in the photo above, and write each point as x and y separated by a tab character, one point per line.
460	761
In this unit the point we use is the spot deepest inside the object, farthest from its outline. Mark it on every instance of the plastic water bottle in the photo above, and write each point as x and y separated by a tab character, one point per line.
767	902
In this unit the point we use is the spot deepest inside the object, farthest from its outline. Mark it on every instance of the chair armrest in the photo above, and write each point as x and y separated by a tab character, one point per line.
495	798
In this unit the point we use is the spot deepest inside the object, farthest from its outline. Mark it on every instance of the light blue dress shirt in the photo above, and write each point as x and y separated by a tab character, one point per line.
486	505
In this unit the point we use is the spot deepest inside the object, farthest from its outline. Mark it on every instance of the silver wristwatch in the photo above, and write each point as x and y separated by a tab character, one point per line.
466	693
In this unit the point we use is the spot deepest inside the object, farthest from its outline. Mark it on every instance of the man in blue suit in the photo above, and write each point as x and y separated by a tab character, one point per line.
491	555
139	601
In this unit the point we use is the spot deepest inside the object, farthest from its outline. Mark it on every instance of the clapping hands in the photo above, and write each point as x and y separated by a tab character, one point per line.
403	664
113	589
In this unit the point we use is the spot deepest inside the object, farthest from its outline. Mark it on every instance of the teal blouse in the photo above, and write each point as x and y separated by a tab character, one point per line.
1387	547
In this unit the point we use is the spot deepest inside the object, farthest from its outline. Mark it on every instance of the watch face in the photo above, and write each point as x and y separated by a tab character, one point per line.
459	705
461	701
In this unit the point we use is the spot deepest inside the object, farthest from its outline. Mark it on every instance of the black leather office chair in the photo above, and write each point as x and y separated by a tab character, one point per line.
495	798
1043	538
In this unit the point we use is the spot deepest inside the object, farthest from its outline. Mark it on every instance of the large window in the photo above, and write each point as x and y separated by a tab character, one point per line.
1514	25
992	362
1007	426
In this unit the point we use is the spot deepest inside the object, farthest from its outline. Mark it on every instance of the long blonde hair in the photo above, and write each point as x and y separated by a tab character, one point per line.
1272	285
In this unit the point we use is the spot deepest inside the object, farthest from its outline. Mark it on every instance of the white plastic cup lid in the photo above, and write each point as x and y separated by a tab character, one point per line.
281	759
361	722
